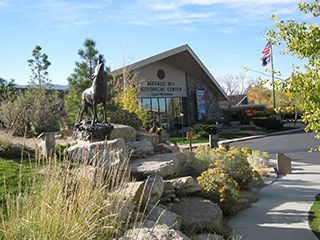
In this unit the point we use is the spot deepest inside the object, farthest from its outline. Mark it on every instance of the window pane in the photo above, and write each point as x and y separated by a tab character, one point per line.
162	111
146	104
155	106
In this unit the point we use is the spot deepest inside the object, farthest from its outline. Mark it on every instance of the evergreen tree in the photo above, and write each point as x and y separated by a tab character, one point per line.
81	78
39	65
6	89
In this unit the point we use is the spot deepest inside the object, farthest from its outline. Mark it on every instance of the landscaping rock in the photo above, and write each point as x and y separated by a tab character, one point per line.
185	185
198	214
208	236
163	148
123	131
104	153
85	131
143	224
154	188
159	232
163	216
140	149
149	190
150	137
165	165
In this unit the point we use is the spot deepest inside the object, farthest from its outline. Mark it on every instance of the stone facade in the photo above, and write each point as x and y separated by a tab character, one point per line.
213	110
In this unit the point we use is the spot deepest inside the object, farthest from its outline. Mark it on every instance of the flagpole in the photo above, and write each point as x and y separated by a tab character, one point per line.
273	90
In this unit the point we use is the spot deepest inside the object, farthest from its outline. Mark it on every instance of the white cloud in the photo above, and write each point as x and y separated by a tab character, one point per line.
232	12
73	14
229	56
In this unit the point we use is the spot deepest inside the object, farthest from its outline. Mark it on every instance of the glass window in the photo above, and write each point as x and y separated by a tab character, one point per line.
162	111
146	103
155	106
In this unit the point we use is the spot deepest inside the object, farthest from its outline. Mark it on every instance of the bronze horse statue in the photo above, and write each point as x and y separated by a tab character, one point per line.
95	94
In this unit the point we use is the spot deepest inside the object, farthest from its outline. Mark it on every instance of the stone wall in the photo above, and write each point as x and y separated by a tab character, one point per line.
213	110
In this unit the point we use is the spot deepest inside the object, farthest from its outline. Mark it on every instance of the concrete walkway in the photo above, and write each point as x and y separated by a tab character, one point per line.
282	210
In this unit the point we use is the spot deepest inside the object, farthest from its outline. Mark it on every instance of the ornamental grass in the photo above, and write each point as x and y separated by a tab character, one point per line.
70	201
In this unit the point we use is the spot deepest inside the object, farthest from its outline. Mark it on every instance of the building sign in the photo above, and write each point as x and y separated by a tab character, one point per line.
161	80
201	104
162	89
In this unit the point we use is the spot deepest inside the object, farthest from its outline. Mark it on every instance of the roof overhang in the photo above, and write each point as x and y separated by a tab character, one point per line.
186	60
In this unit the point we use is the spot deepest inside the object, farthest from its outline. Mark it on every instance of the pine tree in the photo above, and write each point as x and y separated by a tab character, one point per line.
81	78
39	65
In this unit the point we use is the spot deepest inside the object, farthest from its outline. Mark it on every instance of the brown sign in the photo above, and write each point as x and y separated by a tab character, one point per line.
189	135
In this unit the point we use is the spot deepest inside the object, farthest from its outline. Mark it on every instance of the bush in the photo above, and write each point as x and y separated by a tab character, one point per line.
235	163
125	117
12	151
258	159
203	130
36	110
221	188
268	123
205	156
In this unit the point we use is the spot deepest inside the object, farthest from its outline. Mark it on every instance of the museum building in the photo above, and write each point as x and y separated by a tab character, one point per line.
175	87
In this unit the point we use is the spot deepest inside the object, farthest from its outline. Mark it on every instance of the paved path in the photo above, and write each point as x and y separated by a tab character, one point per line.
282	210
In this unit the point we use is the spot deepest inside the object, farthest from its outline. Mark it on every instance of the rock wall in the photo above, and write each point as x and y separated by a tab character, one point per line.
213	110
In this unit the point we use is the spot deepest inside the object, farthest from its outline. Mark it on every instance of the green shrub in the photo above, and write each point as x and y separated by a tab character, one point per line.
221	188
12	151
235	163
268	123
203	130
204	156
125	117
258	159
34	111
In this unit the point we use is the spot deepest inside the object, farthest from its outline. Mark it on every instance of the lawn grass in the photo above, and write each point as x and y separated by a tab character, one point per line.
12	172
179	140
314	217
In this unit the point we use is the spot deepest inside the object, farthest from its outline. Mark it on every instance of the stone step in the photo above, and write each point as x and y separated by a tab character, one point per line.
165	165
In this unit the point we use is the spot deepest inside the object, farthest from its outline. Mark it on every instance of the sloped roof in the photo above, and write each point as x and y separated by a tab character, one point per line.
239	101
187	61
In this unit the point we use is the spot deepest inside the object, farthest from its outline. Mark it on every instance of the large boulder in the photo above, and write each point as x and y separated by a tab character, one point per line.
185	185
158	232
142	191
140	149
163	216
163	148
123	131
103	153
165	165
150	137
198	214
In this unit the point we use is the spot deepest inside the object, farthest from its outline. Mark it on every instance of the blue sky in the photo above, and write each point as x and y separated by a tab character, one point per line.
225	35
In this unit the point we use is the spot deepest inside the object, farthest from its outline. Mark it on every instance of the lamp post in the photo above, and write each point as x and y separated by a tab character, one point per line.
181	115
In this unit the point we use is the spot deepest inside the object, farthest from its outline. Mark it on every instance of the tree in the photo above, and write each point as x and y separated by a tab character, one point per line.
36	109
39	65
259	94
127	96
302	40
286	103
235	84
81	78
6	89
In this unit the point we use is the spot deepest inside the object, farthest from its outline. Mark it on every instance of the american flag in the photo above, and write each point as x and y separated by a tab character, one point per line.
266	54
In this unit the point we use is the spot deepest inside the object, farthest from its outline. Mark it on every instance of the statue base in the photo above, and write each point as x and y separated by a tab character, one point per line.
94	133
